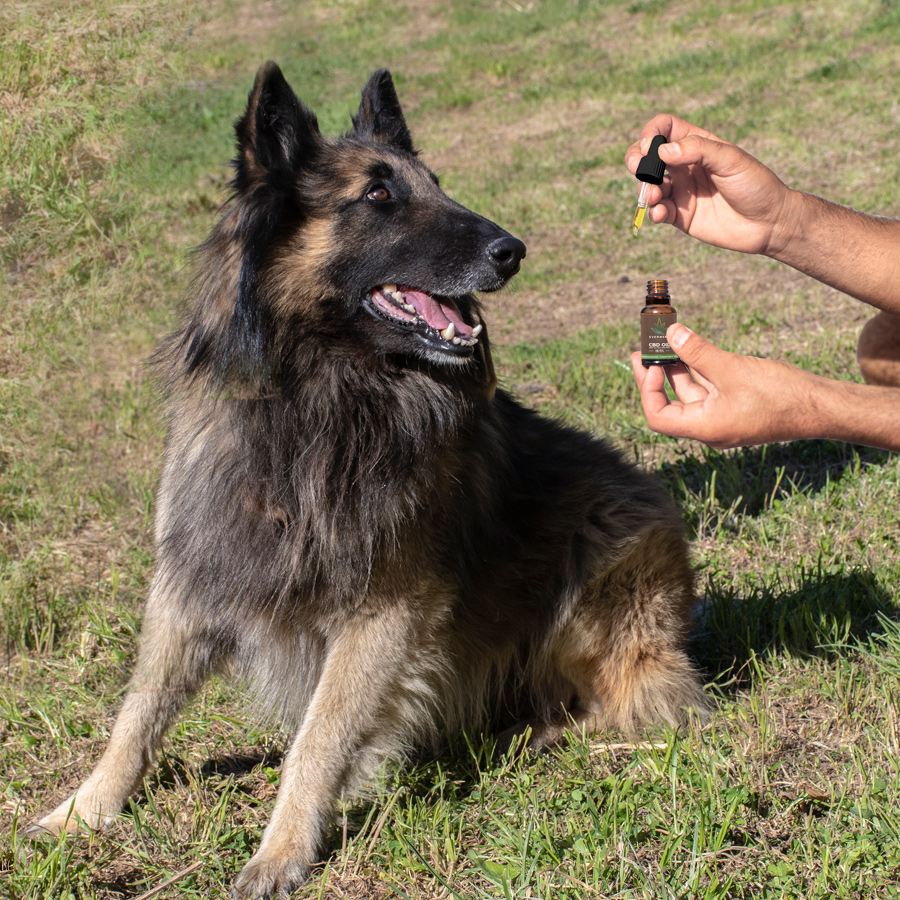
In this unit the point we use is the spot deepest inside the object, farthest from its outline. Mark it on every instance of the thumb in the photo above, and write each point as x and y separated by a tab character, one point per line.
717	157
693	350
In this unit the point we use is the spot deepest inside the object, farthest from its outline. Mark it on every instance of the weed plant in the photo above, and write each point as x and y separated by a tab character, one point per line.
114	131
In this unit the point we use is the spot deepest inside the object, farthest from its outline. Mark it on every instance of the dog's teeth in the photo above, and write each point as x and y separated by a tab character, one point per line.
389	288
457	340
449	332
408	308
477	330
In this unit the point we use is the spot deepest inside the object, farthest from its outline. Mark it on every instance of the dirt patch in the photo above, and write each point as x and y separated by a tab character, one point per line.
12	208
482	137
253	22
11	365
88	555
419	20
355	886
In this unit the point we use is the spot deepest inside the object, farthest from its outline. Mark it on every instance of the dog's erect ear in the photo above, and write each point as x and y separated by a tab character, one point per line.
380	116
277	138
276	135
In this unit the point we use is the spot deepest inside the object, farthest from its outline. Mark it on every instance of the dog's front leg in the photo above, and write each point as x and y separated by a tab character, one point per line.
175	658
349	710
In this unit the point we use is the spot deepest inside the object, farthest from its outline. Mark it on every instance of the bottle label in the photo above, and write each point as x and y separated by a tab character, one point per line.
654	345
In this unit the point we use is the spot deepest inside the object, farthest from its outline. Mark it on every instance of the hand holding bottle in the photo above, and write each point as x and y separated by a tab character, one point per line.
729	400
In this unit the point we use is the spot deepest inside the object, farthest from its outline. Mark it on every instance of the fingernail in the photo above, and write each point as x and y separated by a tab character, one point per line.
677	335
671	152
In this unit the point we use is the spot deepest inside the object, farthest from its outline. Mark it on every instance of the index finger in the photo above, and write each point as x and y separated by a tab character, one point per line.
687	384
652	385
672	128
660	124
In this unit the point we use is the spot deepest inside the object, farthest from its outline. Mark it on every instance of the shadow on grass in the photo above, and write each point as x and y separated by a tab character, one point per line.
821	614
171	770
750	480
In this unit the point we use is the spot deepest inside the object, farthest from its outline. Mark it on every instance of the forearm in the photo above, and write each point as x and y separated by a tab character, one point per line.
851	251
858	413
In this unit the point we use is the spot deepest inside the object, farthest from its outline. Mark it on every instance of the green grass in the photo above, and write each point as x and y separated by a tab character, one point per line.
115	126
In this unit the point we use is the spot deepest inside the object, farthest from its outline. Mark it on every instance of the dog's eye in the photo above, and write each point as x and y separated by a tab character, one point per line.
379	193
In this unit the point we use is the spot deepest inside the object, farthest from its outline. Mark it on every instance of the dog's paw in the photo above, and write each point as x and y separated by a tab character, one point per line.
269	875
514	741
528	737
39	832
78	813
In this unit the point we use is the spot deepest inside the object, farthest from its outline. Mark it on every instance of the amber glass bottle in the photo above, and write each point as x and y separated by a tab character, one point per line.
656	317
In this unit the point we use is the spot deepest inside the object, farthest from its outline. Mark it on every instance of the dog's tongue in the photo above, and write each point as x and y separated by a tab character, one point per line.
437	313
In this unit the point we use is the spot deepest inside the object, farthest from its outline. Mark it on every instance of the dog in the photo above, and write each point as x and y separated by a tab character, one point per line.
354	518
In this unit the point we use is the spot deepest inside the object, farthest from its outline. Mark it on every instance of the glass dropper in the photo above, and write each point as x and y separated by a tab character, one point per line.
649	171
638	219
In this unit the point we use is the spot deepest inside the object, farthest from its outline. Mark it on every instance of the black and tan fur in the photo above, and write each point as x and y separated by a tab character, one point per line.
355	519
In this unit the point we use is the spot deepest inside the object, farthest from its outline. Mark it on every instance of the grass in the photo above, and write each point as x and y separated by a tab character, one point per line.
114	129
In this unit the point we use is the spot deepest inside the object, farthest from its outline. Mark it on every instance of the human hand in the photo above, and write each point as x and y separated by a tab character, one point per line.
725	399
714	191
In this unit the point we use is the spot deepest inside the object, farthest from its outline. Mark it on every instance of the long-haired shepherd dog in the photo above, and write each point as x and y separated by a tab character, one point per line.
354	518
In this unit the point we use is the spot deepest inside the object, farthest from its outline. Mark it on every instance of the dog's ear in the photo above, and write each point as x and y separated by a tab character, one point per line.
380	116
277	138
277	134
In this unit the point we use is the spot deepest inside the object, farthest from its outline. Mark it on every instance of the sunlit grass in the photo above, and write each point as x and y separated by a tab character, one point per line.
114	136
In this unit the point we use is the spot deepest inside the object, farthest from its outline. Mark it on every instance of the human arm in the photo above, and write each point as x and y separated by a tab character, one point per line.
716	192
729	400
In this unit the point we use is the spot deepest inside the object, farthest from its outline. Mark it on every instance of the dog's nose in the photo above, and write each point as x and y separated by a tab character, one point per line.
506	253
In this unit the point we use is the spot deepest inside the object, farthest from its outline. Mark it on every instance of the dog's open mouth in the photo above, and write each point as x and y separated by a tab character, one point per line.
436	320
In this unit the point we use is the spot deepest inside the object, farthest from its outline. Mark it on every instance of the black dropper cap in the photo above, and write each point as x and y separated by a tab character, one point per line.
651	167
